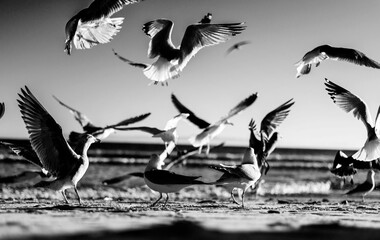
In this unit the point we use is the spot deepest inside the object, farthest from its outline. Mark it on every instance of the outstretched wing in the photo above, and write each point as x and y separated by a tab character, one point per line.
135	64
128	121
26	152
150	130
192	117
2	109
240	107
274	118
200	35
254	141
45	135
350	55
160	33
349	102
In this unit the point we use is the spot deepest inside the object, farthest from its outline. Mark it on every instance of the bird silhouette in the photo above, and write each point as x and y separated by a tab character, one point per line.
47	140
93	25
237	46
2	109
318	54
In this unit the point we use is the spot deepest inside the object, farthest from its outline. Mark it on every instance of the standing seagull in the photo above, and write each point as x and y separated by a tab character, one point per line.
241	176
318	54
171	60
98	132
164	181
211	130
93	25
47	140
366	187
168	134
350	102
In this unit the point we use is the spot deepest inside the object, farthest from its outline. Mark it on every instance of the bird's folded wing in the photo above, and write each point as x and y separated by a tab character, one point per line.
351	55
46	136
274	118
128	121
240	107
192	117
105	8
80	117
166	177
26	152
349	102
160	33
361	188
198	36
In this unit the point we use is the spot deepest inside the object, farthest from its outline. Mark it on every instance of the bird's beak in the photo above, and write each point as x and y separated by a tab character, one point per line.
98	140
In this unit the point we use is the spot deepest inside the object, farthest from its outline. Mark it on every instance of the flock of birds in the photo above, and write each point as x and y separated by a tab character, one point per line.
64	162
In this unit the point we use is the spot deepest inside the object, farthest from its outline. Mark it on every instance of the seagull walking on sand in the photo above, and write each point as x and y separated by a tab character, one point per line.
47	140
168	134
318	54
265	140
350	102
210	131
366	187
172	60
88	127
93	25
241	176
164	181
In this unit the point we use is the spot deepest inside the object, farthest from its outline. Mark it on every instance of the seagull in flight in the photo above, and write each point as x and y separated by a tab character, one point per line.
264	141
93	25
164	181
88	127
210	131
67	165
168	134
350	102
318	54
2	109
172	60
241	176
366	187
237	46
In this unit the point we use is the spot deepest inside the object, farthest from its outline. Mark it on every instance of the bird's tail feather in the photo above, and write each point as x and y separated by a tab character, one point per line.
161	71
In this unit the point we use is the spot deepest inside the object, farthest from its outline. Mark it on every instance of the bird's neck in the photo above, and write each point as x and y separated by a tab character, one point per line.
82	148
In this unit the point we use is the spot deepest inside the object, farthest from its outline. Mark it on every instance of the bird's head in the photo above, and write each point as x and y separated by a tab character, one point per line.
154	163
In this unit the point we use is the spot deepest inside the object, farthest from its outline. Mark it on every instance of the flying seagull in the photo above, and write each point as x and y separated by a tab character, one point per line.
241	176
264	141
206	19
318	54
99	132
211	130
48	142
168	134
366	187
93	25
350	102
164	181
171	60
2	109
237	46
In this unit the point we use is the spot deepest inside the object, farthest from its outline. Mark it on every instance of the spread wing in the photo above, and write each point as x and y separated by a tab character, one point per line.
2	109
240	107
105	8
192	117
274	118
200	35
150	130
135	64
26	152
129	121
160	33
46	135
349	102
254	141
350	55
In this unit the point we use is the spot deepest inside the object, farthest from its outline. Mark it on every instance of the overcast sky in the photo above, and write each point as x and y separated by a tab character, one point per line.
107	90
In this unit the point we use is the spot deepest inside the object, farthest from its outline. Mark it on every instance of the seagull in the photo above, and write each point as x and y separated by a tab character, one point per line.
350	102
88	127
318	54
241	176
171	60
211	130
2	109
264	141
182	156
93	25
206	19
237	46
168	134
29	155
365	187
48	142
164	181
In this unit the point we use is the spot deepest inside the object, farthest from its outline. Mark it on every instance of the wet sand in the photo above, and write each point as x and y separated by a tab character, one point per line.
299	217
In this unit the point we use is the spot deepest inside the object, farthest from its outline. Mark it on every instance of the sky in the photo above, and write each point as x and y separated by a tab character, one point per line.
107	90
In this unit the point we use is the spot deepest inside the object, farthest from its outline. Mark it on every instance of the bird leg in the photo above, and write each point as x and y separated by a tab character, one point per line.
363	200
233	197
242	198
76	191
153	204
200	149
208	148
167	198
64	196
